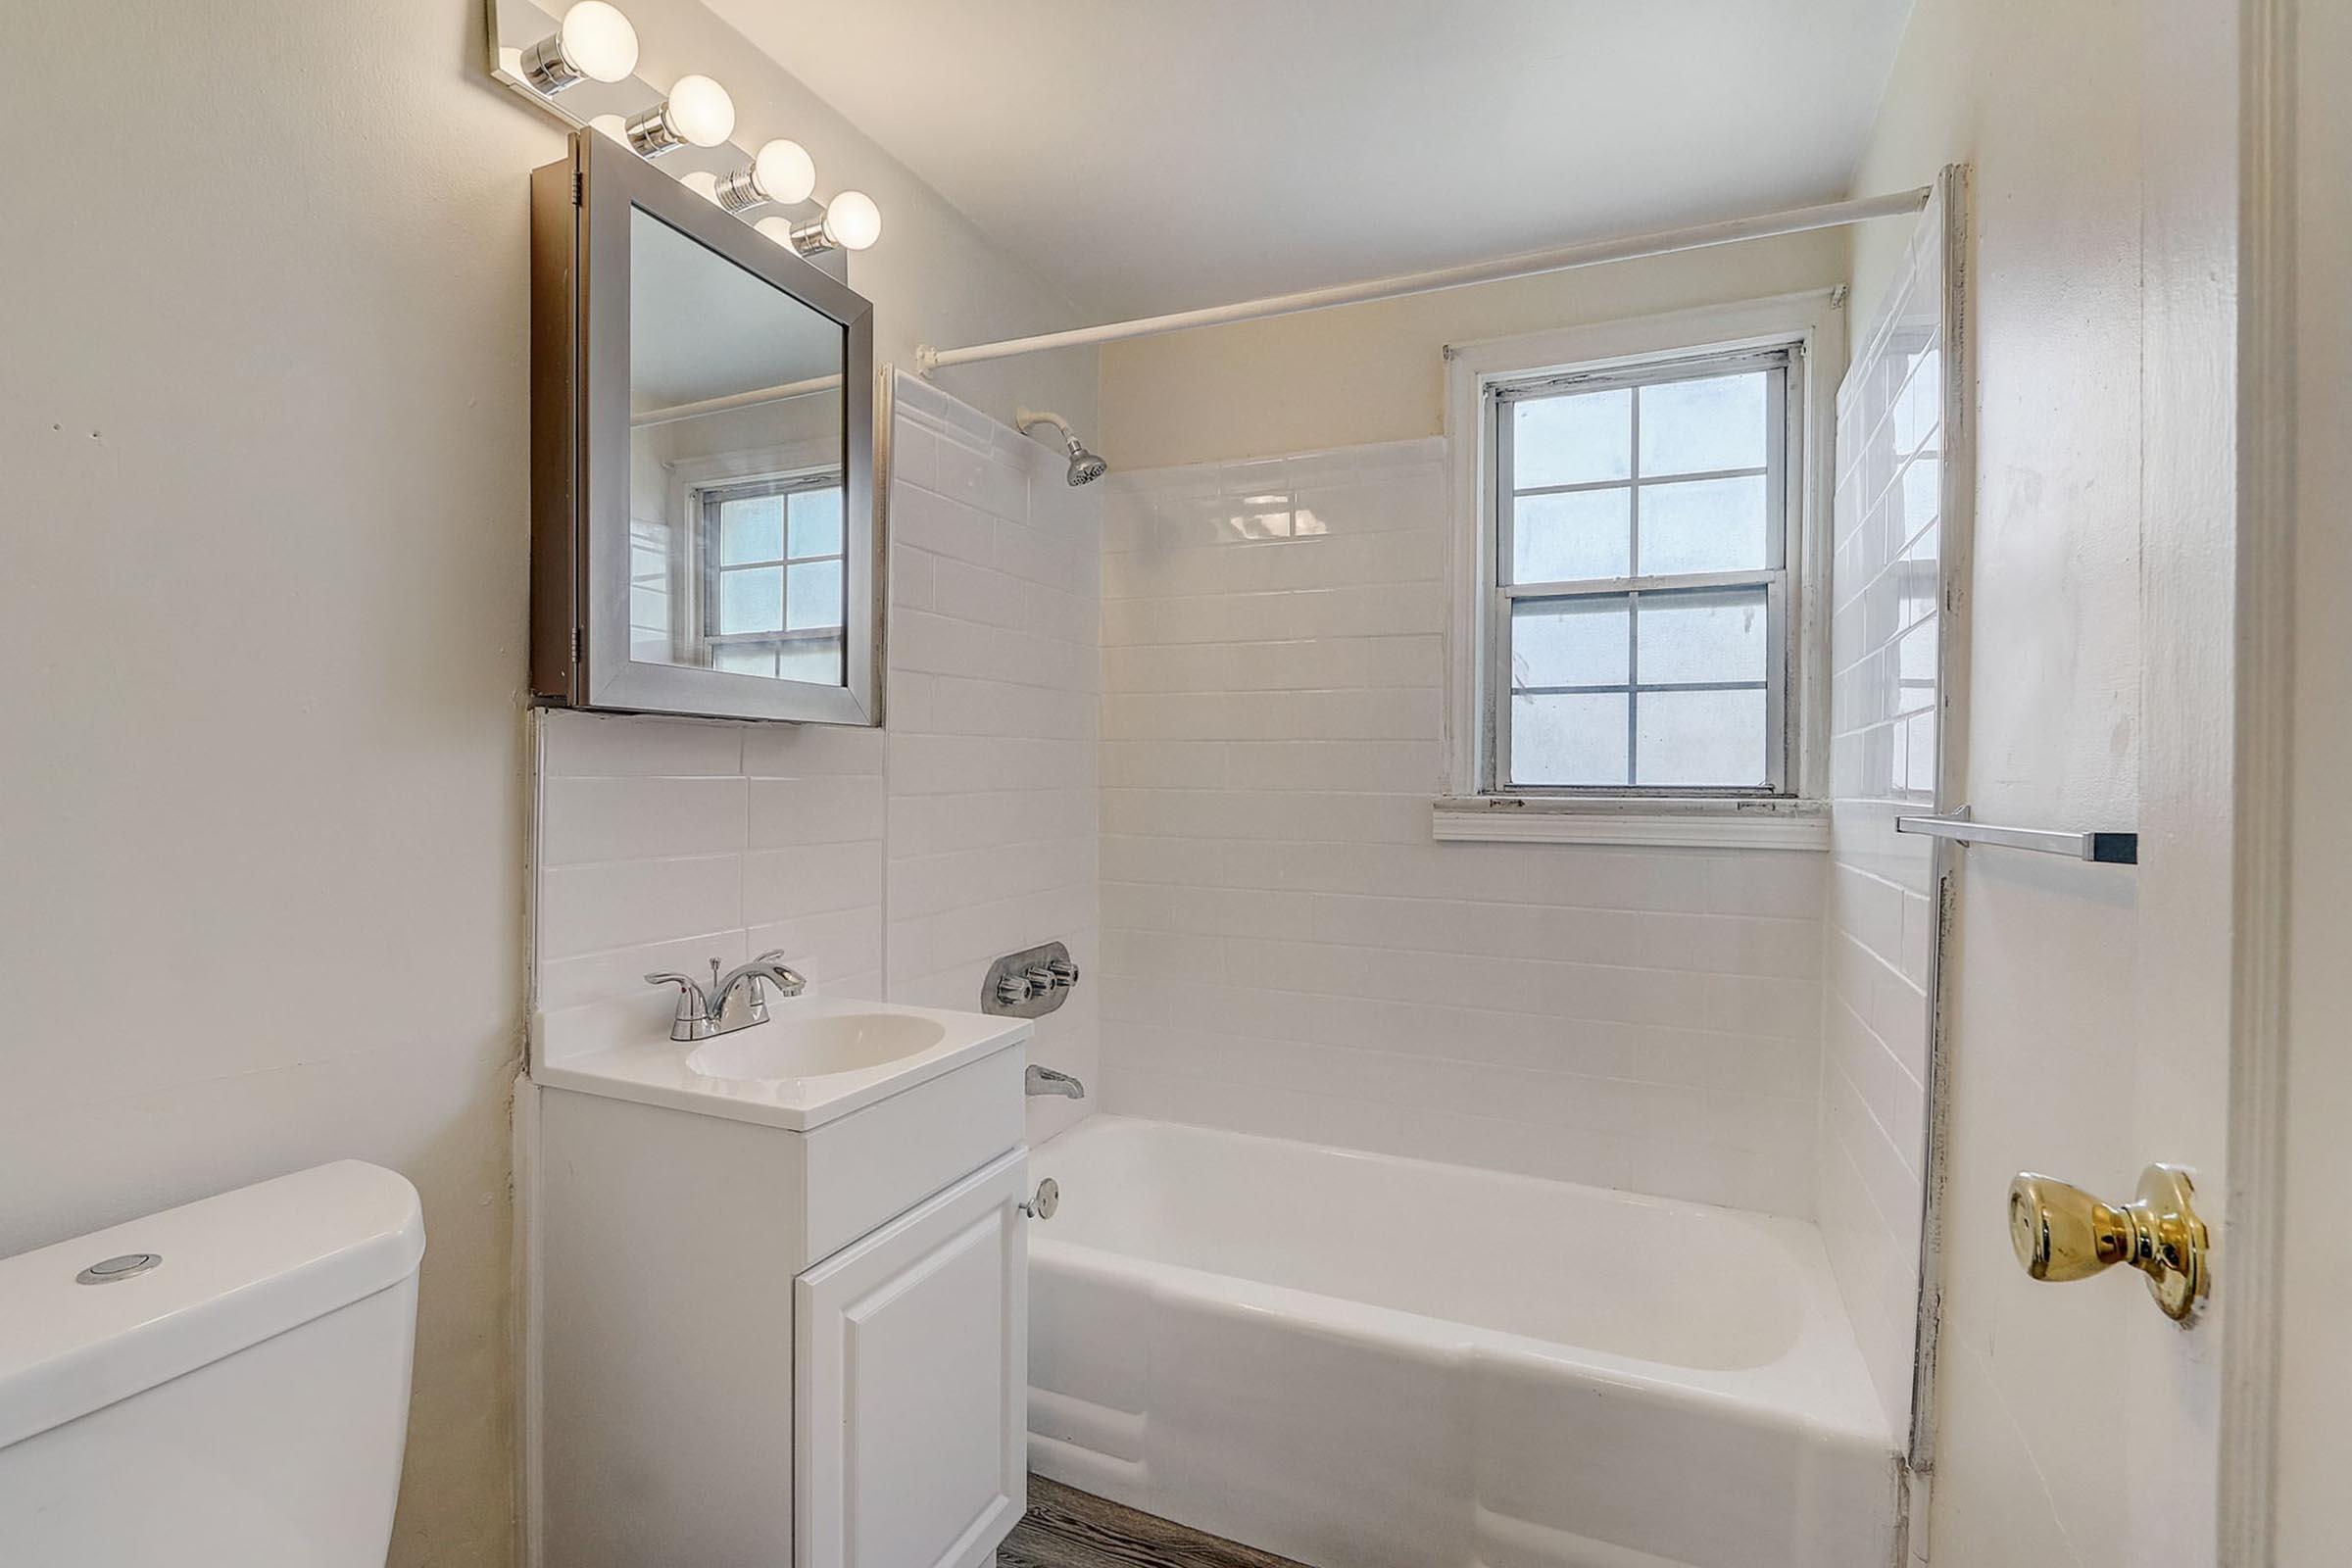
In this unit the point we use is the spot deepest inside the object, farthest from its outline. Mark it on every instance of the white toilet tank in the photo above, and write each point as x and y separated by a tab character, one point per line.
239	1401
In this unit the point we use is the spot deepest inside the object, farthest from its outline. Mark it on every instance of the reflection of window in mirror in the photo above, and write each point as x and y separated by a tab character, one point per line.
772	591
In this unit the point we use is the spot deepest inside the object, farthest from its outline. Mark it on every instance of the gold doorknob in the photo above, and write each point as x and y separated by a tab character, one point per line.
2062	1233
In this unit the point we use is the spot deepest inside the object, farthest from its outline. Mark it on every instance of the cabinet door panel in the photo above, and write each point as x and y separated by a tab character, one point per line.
912	1384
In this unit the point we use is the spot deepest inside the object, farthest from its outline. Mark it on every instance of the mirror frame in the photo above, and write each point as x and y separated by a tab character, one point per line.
581	223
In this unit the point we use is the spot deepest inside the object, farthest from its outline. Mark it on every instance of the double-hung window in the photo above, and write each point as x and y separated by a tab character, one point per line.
1637	631
772	583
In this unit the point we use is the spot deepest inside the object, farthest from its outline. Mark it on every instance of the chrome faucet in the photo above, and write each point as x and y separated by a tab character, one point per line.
735	1000
1045	1081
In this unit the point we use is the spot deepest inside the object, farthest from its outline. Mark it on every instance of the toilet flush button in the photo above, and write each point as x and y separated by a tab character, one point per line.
117	1268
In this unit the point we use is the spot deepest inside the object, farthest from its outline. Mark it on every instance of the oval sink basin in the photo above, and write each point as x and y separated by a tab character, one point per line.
812	1048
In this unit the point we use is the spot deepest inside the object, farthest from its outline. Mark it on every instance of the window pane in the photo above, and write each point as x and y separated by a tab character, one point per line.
816	597
1702	637
751	601
817	663
815	522
1567	538
1697	427
1714	738
750	529
1704	525
1568	642
758	659
1581	438
1570	738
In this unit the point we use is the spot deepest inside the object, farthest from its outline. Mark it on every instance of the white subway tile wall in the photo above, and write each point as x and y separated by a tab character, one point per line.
1881	913
1288	952
992	821
666	843
885	863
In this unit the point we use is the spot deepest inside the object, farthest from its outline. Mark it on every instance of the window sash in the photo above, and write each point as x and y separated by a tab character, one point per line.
713	500
1783	464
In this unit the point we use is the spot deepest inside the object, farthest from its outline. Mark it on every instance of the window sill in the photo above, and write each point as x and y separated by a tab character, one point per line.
1707	825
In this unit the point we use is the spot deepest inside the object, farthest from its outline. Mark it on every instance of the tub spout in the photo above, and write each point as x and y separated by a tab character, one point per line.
1045	1081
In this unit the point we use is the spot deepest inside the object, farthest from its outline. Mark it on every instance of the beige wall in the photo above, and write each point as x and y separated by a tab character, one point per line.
263	486
1377	372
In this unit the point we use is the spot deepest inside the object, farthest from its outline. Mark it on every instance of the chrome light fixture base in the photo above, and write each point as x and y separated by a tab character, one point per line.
545	68
651	134
740	190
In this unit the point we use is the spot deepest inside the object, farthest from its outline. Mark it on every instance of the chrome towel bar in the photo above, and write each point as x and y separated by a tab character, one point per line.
2105	849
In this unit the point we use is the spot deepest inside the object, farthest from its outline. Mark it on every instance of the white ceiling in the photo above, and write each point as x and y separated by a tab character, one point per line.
1150	155
700	326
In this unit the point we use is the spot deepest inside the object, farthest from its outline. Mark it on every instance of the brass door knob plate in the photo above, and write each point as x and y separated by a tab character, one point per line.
2060	1232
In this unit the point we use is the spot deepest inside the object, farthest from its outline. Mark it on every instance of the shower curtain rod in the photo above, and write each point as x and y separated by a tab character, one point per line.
1525	263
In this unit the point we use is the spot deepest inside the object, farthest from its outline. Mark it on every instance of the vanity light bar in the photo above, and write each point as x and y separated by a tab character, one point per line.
595	42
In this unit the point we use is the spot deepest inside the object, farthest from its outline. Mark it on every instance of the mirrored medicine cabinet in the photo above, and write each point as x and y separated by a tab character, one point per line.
705	528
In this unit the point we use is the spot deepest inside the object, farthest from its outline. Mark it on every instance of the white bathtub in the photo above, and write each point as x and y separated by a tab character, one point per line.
1368	1362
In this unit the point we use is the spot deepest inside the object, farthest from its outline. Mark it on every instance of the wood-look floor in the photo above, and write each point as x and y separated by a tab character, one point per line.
1070	1529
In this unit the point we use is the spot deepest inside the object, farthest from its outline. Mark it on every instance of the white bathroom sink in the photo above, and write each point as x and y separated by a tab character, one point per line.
797	1047
815	1059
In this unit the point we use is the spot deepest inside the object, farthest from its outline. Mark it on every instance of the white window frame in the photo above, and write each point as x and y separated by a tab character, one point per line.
1795	815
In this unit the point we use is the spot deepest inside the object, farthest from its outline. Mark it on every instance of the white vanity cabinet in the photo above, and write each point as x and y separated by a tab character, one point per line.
912	1358
758	1344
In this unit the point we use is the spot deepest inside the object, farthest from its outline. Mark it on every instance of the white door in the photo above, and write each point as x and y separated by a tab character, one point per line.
911	1385
2087	1008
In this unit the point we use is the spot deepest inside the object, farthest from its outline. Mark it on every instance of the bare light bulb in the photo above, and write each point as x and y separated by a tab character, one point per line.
697	111
599	40
785	171
778	229
594	42
853	221
701	112
701	183
612	126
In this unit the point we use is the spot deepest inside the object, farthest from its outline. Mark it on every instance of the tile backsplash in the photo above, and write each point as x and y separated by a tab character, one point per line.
885	863
666	843
1288	951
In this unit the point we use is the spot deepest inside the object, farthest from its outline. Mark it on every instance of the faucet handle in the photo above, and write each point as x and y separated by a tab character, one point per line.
692	1020
690	991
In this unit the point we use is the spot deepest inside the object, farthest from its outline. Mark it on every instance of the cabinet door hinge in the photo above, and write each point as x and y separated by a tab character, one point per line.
579	645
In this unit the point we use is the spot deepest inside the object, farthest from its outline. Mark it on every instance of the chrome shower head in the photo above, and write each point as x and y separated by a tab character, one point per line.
1085	467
